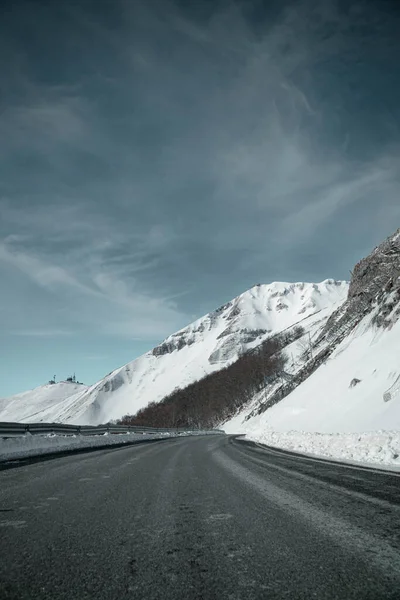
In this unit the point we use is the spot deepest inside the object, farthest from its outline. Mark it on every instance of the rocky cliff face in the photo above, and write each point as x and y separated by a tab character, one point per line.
374	272
374	286
379	276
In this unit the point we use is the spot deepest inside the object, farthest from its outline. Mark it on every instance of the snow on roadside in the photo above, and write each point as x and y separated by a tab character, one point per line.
33	445
379	448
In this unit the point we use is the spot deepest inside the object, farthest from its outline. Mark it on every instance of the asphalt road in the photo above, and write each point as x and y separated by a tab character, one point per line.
198	518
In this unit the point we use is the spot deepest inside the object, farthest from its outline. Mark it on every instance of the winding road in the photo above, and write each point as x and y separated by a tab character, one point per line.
207	517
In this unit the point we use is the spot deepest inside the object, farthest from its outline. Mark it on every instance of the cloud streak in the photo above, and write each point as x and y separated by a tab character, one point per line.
99	292
42	333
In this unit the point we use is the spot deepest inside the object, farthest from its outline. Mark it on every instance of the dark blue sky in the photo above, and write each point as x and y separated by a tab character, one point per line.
160	157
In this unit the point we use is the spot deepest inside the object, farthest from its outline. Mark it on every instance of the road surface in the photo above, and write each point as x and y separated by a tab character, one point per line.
206	517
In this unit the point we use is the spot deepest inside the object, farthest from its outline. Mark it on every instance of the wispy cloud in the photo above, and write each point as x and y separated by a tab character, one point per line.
42	333
100	291
43	125
350	188
42	273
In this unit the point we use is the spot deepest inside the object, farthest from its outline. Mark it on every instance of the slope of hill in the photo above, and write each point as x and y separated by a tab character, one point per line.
352	381
27	407
205	346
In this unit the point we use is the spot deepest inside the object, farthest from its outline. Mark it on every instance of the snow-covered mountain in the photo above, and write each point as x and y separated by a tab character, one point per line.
351	383
208	344
27	407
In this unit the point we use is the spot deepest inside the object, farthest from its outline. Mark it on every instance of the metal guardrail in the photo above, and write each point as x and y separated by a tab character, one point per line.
18	429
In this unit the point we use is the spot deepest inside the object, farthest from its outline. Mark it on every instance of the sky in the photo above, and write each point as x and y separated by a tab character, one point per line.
160	157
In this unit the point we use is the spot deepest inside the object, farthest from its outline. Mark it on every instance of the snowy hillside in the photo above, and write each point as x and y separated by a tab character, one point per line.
351	383
345	394
27	406
206	345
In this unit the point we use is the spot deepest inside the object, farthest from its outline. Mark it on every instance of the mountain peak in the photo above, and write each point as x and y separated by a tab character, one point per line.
204	346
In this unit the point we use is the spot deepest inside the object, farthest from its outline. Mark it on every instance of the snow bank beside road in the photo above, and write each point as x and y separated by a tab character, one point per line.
379	448
33	445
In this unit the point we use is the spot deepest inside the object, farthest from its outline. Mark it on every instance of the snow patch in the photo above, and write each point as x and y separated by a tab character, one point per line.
373	447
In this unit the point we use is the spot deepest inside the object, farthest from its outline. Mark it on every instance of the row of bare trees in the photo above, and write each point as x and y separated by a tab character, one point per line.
210	401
